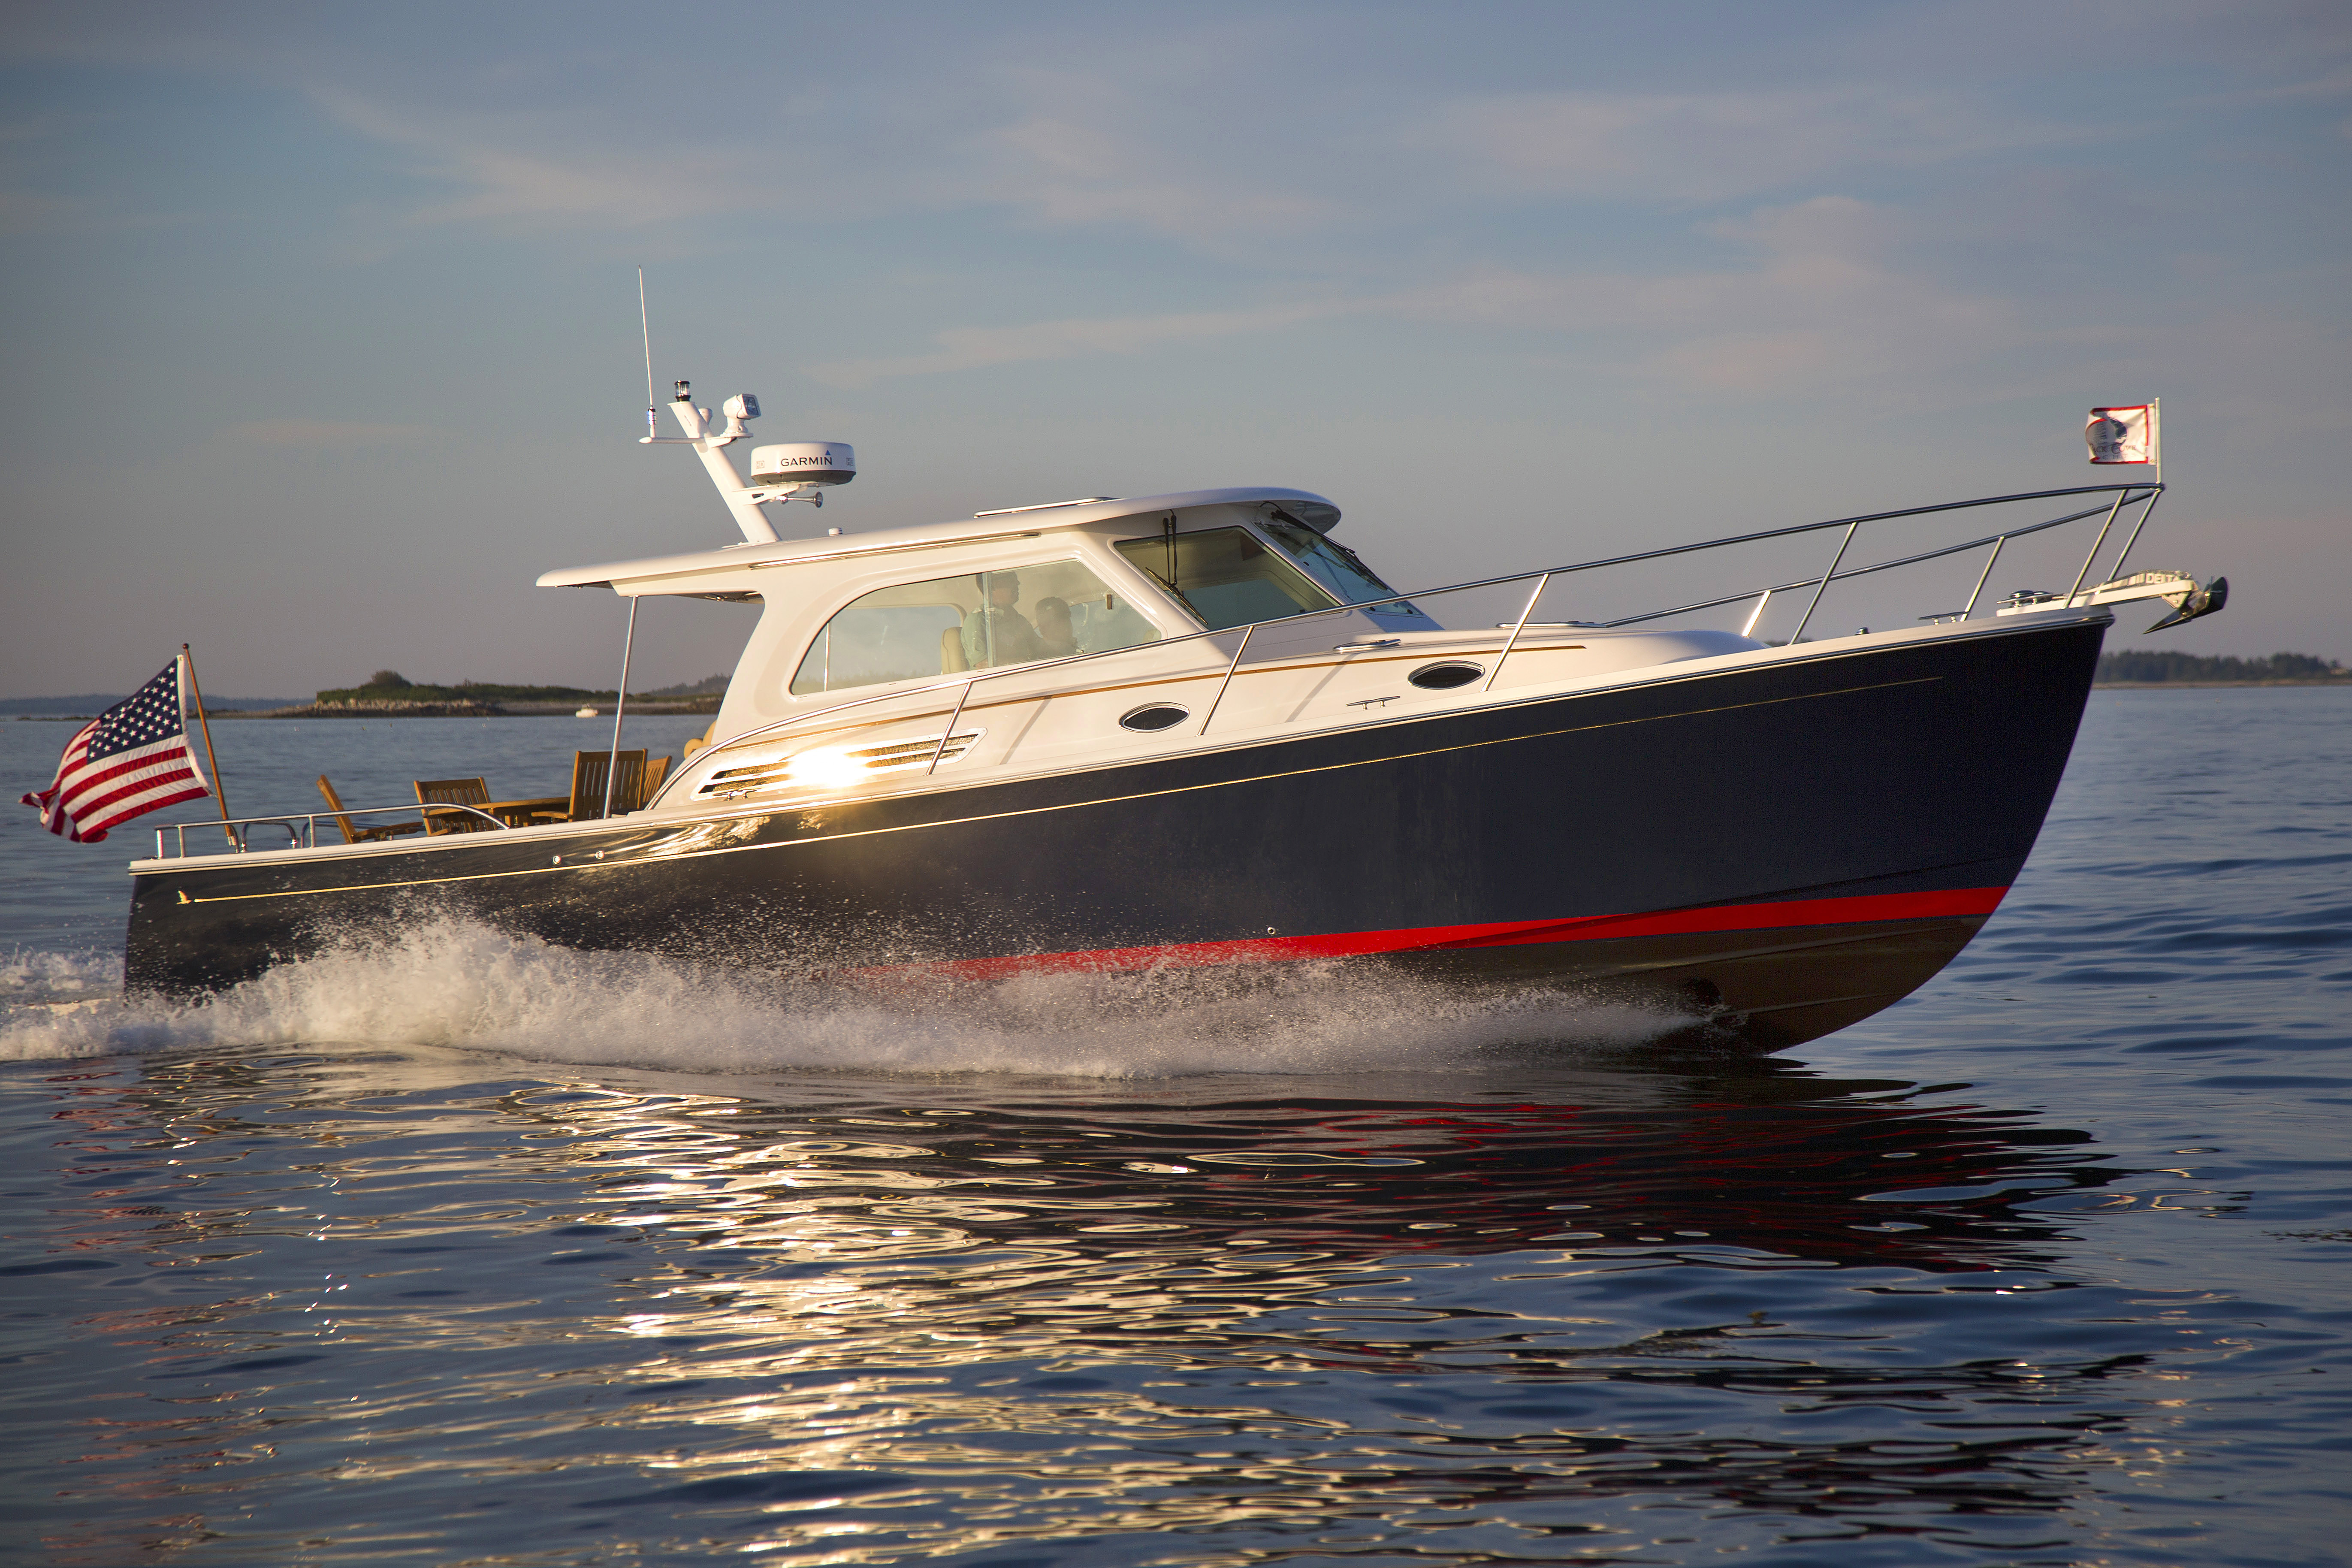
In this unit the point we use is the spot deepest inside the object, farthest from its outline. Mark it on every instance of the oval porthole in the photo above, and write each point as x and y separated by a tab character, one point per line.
1445	677
1153	716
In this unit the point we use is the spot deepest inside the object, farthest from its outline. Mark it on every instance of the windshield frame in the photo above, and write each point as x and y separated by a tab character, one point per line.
1337	569
1285	578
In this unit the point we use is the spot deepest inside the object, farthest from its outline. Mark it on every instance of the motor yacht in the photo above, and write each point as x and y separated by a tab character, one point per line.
1136	734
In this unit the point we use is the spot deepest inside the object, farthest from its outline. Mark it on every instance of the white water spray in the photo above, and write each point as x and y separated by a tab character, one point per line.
456	984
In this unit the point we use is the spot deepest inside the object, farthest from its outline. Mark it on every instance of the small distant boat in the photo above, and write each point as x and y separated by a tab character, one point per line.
585	713
1118	735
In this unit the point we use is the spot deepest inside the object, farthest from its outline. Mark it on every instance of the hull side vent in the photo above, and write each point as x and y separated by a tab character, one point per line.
823	766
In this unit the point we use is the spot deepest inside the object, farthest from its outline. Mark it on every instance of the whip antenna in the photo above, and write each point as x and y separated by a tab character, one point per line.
645	326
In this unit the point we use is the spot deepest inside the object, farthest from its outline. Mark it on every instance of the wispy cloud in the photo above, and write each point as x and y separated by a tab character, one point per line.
1176	149
25	211
1713	145
1182	144
537	170
40	196
1829	298
344	433
1066	170
1834	298
975	348
2337	83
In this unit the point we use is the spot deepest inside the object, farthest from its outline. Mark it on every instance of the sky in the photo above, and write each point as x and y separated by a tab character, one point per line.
323	335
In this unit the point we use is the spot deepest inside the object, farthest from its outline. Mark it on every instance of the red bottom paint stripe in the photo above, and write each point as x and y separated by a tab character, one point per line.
1942	905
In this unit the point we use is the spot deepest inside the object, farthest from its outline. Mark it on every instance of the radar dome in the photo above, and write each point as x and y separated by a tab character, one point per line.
803	463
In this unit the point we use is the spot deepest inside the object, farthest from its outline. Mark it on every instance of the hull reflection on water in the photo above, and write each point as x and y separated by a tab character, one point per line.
690	1314
1631	1161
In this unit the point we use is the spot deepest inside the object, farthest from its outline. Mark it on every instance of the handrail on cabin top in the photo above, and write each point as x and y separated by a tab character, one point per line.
968	679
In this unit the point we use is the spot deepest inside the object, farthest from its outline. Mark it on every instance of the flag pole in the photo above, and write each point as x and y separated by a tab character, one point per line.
220	791
2156	494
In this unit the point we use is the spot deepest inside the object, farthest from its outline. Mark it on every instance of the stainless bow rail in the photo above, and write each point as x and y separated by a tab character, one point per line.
2144	491
305	836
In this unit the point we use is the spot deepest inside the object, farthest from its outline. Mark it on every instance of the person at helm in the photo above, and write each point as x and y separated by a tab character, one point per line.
997	633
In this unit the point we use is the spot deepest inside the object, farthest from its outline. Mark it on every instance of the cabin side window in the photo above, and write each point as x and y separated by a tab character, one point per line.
977	620
1227	576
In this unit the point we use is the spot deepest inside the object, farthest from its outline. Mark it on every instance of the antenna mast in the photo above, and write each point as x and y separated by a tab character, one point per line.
790	471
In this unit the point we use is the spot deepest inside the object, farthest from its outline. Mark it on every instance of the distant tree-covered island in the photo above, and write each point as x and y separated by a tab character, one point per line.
2147	667
391	686
388	694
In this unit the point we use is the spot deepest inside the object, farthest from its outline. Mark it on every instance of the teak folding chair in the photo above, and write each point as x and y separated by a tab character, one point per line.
362	835
475	793
589	771
655	770
633	785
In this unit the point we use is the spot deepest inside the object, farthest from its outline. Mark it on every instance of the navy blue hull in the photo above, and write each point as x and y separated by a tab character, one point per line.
1804	841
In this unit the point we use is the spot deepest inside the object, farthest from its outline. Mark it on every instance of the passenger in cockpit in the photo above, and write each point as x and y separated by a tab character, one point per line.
1054	632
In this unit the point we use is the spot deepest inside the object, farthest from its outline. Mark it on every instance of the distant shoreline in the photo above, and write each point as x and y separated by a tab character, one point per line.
696	705
566	709
2208	685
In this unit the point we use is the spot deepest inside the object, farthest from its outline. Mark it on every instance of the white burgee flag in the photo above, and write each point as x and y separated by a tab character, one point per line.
2122	435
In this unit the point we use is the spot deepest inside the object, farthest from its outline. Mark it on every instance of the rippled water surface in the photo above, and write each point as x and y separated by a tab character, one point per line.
461	1250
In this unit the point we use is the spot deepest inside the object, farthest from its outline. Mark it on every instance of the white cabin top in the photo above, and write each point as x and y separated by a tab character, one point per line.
722	573
1086	549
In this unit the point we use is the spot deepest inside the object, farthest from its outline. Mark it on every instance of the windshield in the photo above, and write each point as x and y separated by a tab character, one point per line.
1226	576
1335	566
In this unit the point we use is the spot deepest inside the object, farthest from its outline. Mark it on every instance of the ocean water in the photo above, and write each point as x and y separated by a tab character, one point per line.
462	1250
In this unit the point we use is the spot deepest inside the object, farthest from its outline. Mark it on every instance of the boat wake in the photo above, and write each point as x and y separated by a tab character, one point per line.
452	983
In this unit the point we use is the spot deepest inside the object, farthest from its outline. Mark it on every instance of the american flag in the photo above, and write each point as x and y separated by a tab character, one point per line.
131	758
